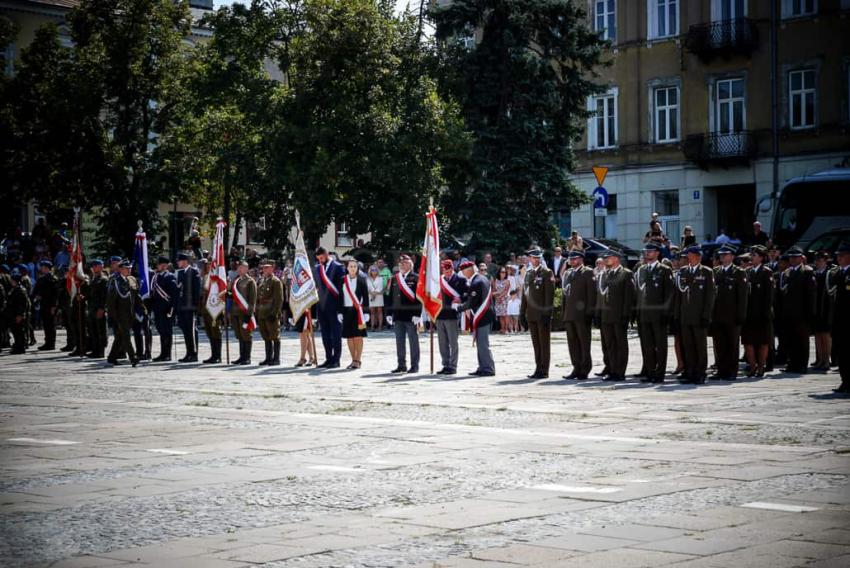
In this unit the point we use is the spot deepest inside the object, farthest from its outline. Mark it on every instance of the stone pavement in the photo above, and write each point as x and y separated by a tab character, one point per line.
190	465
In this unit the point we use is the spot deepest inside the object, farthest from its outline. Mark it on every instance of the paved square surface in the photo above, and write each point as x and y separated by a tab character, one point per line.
191	465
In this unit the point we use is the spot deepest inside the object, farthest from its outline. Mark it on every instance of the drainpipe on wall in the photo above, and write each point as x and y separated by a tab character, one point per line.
774	102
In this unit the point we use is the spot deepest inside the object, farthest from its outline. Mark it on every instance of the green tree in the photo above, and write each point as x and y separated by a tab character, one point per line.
523	88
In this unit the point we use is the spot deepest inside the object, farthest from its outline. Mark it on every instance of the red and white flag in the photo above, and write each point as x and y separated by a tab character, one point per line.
217	276
428	288
75	273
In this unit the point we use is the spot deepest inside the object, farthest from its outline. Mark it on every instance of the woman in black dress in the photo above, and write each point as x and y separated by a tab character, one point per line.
757	331
354	311
822	325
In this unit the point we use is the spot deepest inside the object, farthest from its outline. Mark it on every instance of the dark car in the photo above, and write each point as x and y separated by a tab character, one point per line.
593	249
828	242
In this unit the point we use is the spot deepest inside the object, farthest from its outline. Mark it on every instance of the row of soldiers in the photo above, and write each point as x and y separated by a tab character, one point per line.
731	304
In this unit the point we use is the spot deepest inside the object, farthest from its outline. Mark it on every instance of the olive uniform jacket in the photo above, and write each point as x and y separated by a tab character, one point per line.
695	295
730	305
654	292
579	289
799	294
538	295
616	299
761	291
269	297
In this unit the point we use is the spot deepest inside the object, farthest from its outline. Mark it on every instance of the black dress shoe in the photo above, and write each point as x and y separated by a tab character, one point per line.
475	373
45	348
413	370
333	365
715	377
450	372
571	376
647	380
487	374
842	390
67	348
396	370
535	375
614	378
581	377
442	371
602	373
212	360
657	380
324	365
113	361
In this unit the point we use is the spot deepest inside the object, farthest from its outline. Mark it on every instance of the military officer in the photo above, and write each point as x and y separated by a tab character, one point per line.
615	303
478	299
244	292
536	308
164	303
729	314
757	332
114	272
79	313
694	307
841	315
405	314
47	294
120	301
578	287
6	284
269	304
3	300
452	289
799	302
654	283
188	296
142	335
95	298
17	311
212	326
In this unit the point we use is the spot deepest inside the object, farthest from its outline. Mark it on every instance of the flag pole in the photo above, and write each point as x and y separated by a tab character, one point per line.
80	342
433	323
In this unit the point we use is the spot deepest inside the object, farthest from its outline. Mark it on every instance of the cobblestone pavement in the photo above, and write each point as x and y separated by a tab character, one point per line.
215	466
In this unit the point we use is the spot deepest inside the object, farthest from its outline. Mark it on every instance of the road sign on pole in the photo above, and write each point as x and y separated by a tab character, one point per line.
600	198
600	172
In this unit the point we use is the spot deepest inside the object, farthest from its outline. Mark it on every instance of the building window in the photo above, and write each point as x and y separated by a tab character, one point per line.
602	126
724	10
801	98
731	112
343	239
663	18
667	206
605	18
798	8
666	114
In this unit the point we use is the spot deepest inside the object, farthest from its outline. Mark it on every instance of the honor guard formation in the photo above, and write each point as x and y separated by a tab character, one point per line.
769	302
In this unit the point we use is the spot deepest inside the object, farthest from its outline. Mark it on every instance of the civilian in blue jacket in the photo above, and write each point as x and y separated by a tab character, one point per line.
328	276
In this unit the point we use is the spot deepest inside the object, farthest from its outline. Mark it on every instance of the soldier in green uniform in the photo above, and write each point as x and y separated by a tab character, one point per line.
45	291
799	301
63	302
269	304
694	306
27	285
615	304
730	313
212	326
17	312
2	310
121	303
578	287
243	289
6	284
757	333
96	309
536	309
654	283
841	315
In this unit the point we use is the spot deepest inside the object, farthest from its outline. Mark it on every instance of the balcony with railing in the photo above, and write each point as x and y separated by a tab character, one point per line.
726	38
728	149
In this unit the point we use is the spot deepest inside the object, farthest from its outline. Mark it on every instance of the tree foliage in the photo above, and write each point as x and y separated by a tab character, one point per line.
523	88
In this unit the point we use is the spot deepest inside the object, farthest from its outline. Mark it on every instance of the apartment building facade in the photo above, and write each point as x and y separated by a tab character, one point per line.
687	126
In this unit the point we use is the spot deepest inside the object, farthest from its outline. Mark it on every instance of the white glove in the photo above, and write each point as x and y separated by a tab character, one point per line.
455	306
416	320
365	318
389	319
339	317
291	322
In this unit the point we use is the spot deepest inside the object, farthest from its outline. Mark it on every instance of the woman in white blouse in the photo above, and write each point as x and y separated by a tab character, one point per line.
354	311
375	284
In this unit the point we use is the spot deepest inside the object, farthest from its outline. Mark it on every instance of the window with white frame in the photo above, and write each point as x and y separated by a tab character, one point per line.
730	106
343	239
663	18
602	126
801	98
798	8
666	114
605	18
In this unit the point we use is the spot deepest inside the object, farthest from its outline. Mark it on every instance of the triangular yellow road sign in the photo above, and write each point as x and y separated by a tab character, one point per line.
600	172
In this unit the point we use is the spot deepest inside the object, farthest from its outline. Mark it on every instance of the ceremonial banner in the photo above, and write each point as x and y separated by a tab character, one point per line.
303	293
75	273
140	259
217	282
428	288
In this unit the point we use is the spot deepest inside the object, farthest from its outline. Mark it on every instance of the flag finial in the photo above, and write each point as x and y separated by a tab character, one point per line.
139	223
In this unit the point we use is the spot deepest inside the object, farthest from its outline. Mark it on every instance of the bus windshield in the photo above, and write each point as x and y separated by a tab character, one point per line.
806	202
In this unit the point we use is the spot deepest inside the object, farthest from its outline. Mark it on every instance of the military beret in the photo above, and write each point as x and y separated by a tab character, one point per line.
726	249
95	262
446	264
46	263
652	247
535	252
466	264
843	248
759	250
162	260
694	249
576	254
114	259
182	256
794	251
403	257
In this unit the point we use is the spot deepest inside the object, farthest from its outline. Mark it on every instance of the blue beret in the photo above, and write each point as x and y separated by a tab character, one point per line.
96	262
46	263
114	259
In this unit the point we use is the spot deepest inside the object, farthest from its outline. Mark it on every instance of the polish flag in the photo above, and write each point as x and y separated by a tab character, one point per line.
217	277
75	274
428	287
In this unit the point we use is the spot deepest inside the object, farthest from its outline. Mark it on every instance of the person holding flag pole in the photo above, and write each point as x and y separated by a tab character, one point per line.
405	314
452	287
479	301
428	287
74	280
303	295
213	296
142	335
244	292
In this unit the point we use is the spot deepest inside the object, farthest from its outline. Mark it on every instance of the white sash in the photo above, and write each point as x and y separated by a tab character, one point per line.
482	309
240	300
327	281
448	289
355	303
405	288
158	289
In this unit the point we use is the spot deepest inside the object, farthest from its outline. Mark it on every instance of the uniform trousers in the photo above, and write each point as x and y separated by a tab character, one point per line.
616	345
653	344
48	322
540	339
694	351
798	345
482	344
727	338
186	322
447	334
406	331
578	341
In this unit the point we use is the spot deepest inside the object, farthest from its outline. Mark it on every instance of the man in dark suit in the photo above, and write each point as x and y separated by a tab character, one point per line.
654	282
536	309
559	266
579	302
189	295
405	313
452	288
164	303
615	304
730	313
799	301
328	276
694	307
841	317
478	300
